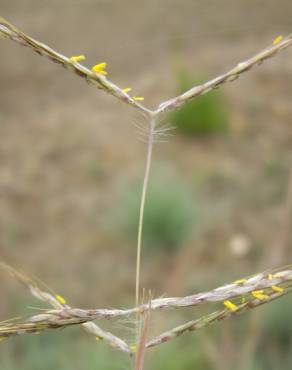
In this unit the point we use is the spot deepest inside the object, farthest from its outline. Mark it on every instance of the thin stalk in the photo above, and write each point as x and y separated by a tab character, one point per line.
140	356
152	123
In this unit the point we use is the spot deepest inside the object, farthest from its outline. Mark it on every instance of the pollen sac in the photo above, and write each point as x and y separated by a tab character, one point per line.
77	58
231	306
259	294
60	299
277	40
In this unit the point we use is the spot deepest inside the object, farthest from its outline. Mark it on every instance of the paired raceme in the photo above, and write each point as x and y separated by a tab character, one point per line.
245	294
97	75
213	317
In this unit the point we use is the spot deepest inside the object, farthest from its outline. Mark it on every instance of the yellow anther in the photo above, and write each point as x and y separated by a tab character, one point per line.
77	58
259	294
104	73
100	68
231	306
60	299
127	89
138	98
277	289
240	281
277	40
133	348
270	276
98	338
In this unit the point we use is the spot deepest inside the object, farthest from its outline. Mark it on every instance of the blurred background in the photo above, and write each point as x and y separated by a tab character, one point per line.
71	167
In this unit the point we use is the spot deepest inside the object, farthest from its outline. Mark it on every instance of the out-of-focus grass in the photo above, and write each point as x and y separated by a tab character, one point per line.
170	212
70	350
180	355
66	350
278	324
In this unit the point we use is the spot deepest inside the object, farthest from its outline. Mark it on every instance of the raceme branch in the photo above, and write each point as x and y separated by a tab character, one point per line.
95	76
59	303
237	297
102	82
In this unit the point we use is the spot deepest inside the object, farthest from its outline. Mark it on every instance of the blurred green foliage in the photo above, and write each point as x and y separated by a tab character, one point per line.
278	323
182	354
66	350
71	349
204	116
170	213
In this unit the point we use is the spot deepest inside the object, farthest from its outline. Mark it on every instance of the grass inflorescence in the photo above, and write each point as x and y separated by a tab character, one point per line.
234	298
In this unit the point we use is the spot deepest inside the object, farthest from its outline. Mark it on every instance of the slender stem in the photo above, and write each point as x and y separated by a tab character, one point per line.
142	204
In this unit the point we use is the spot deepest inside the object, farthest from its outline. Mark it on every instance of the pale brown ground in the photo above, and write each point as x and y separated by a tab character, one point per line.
66	148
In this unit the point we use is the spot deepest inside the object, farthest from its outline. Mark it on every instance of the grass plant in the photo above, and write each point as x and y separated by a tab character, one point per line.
234	298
